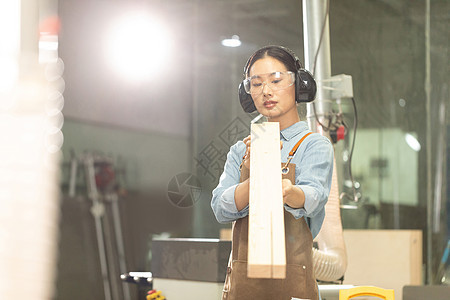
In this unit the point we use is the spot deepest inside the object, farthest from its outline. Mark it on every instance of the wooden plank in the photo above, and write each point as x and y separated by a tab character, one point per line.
277	208
266	248
259	227
278	234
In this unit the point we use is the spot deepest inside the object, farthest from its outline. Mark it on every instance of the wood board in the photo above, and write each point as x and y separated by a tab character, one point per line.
266	247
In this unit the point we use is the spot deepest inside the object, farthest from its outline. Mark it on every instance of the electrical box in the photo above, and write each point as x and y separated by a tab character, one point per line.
341	86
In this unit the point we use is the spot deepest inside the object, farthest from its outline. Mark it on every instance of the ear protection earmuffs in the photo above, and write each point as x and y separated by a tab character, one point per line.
305	85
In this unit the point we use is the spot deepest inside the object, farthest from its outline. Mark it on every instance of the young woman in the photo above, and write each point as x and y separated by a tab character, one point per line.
274	83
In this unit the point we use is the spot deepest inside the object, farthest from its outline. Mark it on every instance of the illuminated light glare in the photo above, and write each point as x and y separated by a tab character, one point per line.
47	45
346	206
54	71
55	121
48	49
54	103
59	85
138	46
54	140
412	142
345	155
9	49
233	42
141	274
348	183
9	73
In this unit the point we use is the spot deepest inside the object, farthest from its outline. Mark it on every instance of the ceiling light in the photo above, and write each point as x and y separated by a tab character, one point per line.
138	46
412	142
233	42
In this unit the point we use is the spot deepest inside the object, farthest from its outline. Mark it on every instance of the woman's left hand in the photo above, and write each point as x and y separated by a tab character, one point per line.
287	188
292	195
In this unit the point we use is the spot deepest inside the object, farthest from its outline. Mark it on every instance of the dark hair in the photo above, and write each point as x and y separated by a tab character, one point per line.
284	55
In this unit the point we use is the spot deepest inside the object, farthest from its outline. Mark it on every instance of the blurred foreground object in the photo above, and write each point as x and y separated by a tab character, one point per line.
30	130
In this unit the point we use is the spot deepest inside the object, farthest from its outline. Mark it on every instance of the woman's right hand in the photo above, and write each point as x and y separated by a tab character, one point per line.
247	142
241	193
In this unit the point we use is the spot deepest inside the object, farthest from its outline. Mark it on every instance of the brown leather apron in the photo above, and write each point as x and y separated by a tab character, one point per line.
300	280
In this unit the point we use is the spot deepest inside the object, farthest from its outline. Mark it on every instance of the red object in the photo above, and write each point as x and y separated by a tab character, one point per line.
50	26
340	133
151	292
104	175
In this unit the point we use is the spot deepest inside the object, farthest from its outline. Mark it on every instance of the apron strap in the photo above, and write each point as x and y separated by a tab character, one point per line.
285	169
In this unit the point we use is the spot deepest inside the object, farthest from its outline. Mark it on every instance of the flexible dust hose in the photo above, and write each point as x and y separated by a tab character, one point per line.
330	261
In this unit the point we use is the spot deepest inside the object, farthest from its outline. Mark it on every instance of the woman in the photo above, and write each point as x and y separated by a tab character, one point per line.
274	82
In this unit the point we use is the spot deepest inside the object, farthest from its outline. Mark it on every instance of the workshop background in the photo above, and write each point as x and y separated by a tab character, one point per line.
146	136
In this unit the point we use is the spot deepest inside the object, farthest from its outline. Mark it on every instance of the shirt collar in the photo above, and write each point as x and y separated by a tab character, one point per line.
293	130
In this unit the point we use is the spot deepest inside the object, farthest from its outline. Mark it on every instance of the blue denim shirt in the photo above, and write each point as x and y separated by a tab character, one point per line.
313	171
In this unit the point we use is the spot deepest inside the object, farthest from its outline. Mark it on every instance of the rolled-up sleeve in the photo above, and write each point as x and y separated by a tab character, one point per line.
222	203
313	175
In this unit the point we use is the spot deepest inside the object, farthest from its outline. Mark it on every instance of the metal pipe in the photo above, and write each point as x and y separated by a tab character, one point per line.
73	175
427	86
97	211
330	261
114	199
317	56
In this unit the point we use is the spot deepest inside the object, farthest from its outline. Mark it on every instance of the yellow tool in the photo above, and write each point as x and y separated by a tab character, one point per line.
155	295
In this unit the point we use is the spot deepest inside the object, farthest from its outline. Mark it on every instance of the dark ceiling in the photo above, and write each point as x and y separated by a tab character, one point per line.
381	44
